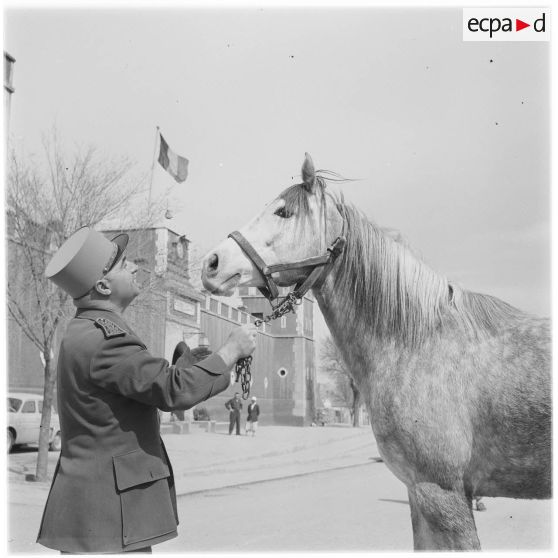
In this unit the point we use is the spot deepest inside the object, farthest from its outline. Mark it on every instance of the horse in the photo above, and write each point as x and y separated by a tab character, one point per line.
457	383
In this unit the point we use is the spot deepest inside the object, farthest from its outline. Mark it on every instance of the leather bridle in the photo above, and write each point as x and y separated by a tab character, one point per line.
321	267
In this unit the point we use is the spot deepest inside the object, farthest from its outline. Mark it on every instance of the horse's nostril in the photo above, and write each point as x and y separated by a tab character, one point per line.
213	263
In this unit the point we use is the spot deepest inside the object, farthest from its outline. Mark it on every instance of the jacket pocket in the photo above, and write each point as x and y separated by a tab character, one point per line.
142	480
137	467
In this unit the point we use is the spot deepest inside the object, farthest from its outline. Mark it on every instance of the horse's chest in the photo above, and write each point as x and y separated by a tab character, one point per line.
390	411
415	411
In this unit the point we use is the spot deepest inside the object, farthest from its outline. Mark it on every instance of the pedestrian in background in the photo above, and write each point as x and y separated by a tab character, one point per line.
234	405
252	420
113	488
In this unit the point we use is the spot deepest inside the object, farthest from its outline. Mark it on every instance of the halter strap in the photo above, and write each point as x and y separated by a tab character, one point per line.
321	267
270	291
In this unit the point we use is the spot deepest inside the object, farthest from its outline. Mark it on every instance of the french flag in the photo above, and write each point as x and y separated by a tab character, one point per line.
174	164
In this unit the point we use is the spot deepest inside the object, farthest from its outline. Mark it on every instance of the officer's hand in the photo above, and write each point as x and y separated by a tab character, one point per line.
241	343
182	356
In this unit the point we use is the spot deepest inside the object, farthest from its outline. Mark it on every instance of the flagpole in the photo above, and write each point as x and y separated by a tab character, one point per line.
153	166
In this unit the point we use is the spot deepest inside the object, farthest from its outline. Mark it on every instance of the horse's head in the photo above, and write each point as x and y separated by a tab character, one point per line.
301	223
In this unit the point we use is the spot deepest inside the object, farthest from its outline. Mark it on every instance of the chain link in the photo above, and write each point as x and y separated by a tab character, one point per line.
244	375
242	369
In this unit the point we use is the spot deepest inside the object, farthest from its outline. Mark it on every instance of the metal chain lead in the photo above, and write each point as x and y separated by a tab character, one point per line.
244	375
242	369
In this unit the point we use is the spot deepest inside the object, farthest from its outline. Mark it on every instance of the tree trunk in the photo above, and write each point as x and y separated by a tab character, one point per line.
48	393
356	406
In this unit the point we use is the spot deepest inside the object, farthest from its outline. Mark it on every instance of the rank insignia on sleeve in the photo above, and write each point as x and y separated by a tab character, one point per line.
110	329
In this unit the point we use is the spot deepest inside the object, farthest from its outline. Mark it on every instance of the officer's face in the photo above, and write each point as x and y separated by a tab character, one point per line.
122	282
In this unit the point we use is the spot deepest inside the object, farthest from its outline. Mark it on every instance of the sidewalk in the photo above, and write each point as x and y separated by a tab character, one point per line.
206	461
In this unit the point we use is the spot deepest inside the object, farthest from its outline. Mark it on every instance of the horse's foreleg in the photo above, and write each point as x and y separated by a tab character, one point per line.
442	519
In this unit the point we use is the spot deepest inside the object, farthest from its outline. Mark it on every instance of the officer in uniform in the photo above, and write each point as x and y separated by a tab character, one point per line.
113	488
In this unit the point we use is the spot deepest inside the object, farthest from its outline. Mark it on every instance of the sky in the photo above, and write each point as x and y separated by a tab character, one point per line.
449	140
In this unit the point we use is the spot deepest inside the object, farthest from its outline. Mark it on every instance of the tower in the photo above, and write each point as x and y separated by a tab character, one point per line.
289	371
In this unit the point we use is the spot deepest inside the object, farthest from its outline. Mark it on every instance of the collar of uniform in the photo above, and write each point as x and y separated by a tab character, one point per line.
94	313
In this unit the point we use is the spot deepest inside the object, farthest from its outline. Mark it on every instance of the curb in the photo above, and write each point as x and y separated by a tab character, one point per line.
211	467
274	453
371	461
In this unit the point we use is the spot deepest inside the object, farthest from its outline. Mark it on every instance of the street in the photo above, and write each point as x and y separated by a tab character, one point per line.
360	508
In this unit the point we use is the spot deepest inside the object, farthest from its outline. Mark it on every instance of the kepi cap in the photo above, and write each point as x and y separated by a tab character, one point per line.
83	259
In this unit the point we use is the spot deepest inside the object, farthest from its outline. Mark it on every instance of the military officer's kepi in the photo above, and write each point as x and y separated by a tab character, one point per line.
83	259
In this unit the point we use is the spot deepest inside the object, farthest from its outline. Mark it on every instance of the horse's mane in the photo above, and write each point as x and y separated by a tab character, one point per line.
388	285
400	295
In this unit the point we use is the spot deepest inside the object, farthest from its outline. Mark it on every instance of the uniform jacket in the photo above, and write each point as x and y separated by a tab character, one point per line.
234	405
113	487
253	412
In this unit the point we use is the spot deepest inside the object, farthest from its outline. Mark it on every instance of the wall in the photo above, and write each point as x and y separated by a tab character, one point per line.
283	368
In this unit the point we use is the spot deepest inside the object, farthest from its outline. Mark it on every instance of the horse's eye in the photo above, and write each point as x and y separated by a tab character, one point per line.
283	213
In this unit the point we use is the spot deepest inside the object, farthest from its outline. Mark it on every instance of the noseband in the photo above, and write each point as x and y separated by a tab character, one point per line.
321	267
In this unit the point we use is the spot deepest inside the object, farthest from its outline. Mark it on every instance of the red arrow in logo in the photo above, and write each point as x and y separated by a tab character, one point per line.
519	25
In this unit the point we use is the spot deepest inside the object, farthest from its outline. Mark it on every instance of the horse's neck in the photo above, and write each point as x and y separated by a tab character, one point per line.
346	328
374	306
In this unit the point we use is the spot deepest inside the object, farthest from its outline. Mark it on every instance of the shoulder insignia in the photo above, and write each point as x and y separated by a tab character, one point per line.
110	329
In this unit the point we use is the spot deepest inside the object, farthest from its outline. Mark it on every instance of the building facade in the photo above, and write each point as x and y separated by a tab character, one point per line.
170	309
283	366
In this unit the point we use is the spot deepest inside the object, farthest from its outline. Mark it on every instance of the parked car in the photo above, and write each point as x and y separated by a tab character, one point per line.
24	421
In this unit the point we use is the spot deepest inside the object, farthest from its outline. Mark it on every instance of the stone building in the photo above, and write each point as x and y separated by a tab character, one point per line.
283	366
170	309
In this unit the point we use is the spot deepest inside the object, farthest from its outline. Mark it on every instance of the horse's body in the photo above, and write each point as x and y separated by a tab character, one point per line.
457	384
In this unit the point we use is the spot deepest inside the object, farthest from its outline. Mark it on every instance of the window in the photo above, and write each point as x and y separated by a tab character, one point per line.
283	322
214	306
28	407
14	404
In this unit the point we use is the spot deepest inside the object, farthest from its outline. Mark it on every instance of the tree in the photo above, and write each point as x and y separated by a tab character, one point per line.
345	387
46	203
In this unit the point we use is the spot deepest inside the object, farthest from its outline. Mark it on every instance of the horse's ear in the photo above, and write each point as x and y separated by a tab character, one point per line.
308	172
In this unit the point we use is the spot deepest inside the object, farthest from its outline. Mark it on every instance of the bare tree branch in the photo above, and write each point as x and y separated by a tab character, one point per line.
346	390
46	203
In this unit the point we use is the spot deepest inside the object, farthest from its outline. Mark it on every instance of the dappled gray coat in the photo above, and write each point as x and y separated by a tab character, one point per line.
113	488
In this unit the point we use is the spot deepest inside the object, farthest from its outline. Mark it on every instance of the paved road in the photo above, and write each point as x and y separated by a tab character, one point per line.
361	508
358	508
